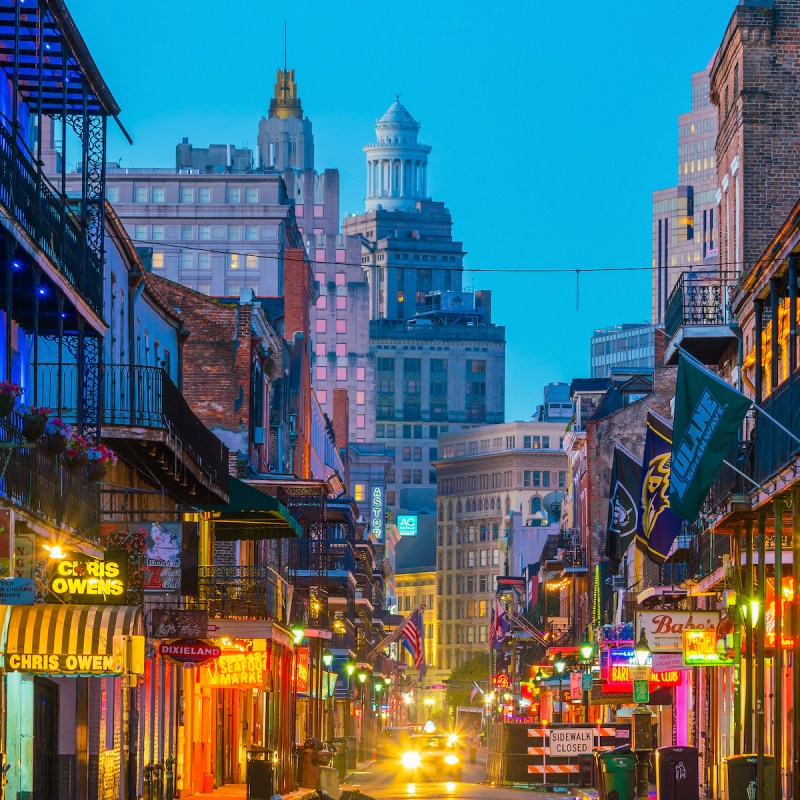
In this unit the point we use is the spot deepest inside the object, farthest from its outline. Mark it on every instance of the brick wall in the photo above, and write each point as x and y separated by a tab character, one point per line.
755	83
341	426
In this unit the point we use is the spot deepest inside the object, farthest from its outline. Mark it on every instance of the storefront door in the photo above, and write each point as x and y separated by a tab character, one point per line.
45	739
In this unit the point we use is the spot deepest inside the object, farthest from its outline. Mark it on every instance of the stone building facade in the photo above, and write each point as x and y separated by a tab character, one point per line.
484	475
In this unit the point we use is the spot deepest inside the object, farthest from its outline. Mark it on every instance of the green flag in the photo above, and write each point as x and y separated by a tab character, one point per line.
708	416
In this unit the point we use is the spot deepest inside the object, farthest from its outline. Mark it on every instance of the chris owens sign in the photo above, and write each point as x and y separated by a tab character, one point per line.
664	629
82	580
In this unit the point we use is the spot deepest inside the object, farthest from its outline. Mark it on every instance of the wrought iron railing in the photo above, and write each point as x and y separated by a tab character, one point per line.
698	299
575	559
42	484
48	220
707	552
773	447
322	555
243	593
140	397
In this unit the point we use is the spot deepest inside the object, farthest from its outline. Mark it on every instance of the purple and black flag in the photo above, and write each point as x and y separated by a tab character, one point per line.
658	525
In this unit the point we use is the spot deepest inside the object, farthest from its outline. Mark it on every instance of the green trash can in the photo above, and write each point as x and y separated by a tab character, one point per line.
742	774
616	774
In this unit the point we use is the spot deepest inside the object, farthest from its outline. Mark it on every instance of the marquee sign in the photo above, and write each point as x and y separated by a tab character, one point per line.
501	681
82	580
700	650
189	652
376	522
617	666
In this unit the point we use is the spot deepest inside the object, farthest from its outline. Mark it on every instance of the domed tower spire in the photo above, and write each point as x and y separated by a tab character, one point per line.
285	104
397	164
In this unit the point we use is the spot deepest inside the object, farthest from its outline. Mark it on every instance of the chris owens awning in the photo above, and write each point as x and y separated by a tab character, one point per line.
57	639
252	515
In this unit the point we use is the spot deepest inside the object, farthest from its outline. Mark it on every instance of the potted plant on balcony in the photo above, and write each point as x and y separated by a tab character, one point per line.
100	459
76	452
34	421
9	392
57	434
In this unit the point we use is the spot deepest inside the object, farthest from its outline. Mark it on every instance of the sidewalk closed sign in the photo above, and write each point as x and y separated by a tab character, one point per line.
570	741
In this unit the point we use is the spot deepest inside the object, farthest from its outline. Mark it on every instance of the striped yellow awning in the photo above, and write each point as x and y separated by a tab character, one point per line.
57	639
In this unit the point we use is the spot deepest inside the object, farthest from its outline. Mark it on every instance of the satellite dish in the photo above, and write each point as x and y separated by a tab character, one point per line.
552	502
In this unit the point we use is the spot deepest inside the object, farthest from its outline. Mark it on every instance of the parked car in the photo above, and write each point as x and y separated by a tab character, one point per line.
432	756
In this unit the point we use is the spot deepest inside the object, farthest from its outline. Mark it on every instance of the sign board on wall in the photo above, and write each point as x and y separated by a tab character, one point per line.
377	518
238	669
5	543
16	591
189	652
78	579
575	684
166	623
616	665
162	552
700	649
664	629
24	553
407	524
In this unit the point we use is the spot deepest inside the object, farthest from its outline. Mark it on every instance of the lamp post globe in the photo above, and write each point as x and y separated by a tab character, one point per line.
642	650
559	664
586	650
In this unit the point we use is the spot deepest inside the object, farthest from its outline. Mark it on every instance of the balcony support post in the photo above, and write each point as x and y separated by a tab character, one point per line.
79	376
758	306
777	664
37	280
60	376
760	654
795	792
9	307
774	303
748	632
794	261
15	96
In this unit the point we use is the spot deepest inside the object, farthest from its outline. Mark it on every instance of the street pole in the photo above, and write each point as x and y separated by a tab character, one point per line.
560	700
737	651
760	655
796	637
748	633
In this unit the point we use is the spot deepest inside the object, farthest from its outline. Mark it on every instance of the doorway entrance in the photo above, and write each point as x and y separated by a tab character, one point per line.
45	739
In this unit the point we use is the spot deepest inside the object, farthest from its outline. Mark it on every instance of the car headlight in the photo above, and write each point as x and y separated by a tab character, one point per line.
452	740
411	760
451	760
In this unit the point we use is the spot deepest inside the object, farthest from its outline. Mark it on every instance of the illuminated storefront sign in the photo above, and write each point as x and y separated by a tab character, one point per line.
407	524
189	652
616	670
501	681
700	650
61	664
84	580
664	629
787	599
238	670
376	524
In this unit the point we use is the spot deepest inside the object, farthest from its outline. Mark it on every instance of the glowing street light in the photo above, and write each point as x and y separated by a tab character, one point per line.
642	650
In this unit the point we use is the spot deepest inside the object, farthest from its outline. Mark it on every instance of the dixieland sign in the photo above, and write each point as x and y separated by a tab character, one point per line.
190	652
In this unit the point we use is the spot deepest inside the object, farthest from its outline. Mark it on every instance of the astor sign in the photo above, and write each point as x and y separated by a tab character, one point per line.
664	629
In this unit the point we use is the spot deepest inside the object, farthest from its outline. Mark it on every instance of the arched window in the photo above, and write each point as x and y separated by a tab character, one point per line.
458	507
441	512
508	504
450	510
536	505
480	504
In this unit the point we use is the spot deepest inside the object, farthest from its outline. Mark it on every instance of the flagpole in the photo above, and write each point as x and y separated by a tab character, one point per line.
754	404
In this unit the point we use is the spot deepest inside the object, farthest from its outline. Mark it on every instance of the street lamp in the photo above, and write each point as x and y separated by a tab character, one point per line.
297	634
642	650
587	652
560	665
327	660
350	668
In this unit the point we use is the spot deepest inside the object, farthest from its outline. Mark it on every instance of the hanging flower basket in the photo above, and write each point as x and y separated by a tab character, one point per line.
57	434
96	470
34	421
76	452
100	458
9	392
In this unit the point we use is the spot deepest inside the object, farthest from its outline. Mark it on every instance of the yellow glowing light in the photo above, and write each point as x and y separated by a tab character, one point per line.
450	786
451	760
56	551
411	760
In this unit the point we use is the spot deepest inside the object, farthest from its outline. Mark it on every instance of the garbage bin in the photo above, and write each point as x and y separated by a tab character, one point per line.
309	764
677	773
742	775
260	774
340	757
616	774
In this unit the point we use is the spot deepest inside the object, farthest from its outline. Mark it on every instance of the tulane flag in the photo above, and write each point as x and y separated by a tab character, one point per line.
708	417
623	508
658	526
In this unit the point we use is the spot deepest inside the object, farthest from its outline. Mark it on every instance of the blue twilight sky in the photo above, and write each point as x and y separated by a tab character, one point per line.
551	124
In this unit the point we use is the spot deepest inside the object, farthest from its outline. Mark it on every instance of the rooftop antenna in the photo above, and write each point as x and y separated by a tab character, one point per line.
284	45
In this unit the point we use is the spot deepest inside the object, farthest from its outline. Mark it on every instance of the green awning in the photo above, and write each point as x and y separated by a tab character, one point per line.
251	515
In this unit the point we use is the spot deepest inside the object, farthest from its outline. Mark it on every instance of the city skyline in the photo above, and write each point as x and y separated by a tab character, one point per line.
448	91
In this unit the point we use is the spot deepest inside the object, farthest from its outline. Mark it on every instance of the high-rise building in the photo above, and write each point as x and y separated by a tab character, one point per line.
218	224
622	347
484	474
557	406
685	216
439	359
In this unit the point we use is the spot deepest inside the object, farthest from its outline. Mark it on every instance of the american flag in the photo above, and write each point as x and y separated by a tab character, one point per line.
414	640
475	690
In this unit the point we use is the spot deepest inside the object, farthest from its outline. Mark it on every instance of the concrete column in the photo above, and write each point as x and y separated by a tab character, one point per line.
402	177
424	192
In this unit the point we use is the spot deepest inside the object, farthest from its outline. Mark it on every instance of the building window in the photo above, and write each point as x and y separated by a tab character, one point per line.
158	260
158	194
251	261
361	373
341	302
251	194
251	233
361	492
139	194
112	194
203	232
158	233
360	398
322	396
186	232
361	421
322	302
562	479
321	372
235	232
234	194
204	261
187	194
140	233
233	261
187	260
322	326
341	326
204	194
341	373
